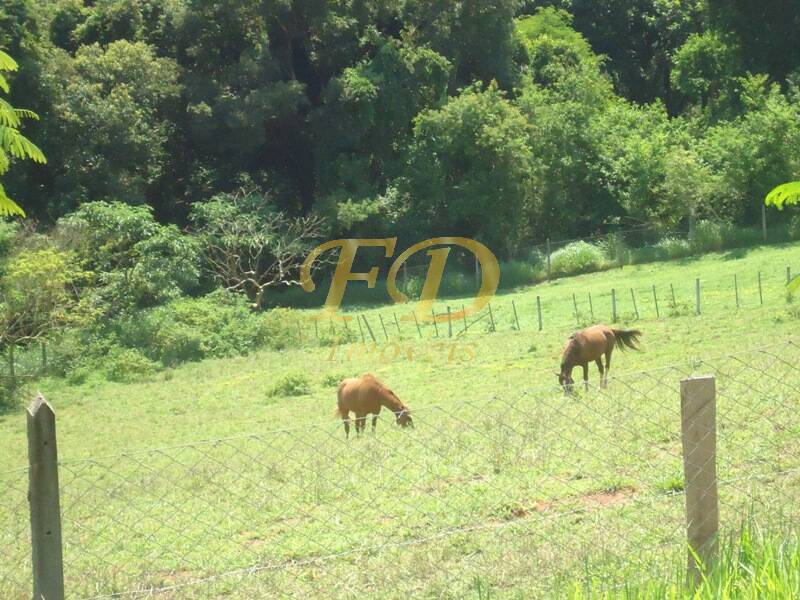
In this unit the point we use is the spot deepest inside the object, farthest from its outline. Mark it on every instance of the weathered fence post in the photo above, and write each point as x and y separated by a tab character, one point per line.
491	317
44	356
672	290
369	329
613	305
539	311
736	289
699	440
760	295
360	330
548	258
316	329
697	295
477	271
655	300
635	309
575	304
396	322
788	275
12	368
449	322
416	322
516	318
591	307
48	568
435	326
464	314
383	326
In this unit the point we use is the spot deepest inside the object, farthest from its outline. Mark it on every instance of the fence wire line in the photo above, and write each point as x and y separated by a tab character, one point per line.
622	378
495	425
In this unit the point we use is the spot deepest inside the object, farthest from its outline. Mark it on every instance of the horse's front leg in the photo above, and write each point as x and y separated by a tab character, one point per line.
374	422
361	423
585	367
346	423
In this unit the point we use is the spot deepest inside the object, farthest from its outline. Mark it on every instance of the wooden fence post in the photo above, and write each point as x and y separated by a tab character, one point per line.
44	356
655	300
736	289
548	258
435	326
369	329
539	311
12	368
575	304
760	295
699	439
464	314
516	318
635	309
591	307
788	275
396	322
383	326
449	322
48	568
672	290
613	305
491	317
697	295
360	330
416	322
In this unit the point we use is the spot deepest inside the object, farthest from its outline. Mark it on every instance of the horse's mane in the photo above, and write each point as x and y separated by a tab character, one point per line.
569	348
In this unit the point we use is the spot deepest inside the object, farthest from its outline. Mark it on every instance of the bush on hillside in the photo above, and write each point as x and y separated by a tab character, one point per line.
577	257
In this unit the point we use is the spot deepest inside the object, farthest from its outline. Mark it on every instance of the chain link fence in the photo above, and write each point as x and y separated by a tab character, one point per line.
526	494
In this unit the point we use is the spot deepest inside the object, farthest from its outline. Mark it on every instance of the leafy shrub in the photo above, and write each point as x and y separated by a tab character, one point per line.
215	326
334	379
671	248
457	284
292	384
707	237
282	328
126	365
8	233
518	273
740	237
339	334
577	257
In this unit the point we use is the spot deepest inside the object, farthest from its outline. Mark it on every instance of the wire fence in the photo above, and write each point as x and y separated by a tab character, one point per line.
530	493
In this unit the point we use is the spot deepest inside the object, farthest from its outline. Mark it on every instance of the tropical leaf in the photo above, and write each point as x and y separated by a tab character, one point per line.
7	63
19	146
788	193
8	115
4	84
7	206
793	285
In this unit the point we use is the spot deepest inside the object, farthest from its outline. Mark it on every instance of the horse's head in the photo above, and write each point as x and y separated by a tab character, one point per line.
404	418
565	380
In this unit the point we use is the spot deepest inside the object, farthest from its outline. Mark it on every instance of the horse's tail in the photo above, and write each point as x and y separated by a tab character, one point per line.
627	338
339	412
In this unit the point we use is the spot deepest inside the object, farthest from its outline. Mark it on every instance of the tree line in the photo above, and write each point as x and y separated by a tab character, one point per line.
504	120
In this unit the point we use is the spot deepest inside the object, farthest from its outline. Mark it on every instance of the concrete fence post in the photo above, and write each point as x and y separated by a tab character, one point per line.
48	568
699	441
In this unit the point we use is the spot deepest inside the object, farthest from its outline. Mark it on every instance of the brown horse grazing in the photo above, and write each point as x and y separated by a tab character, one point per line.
367	395
591	344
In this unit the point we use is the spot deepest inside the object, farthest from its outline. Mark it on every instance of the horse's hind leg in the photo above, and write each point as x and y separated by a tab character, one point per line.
599	363
608	366
585	367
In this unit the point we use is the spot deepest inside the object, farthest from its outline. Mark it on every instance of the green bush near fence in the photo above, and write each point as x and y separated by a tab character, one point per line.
577	257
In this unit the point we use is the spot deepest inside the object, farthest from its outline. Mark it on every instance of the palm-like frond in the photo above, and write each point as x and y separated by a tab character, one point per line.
7	63
7	206
16	144
788	193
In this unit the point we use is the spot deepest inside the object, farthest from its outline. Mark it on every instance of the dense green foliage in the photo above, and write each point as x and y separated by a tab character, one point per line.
507	121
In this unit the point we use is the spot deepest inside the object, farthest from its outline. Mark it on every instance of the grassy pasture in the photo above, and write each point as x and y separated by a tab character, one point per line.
505	488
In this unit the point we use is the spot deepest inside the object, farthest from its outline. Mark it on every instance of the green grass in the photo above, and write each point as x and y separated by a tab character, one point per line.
505	488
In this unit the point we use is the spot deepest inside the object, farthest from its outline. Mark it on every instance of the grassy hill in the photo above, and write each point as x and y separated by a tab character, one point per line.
505	487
